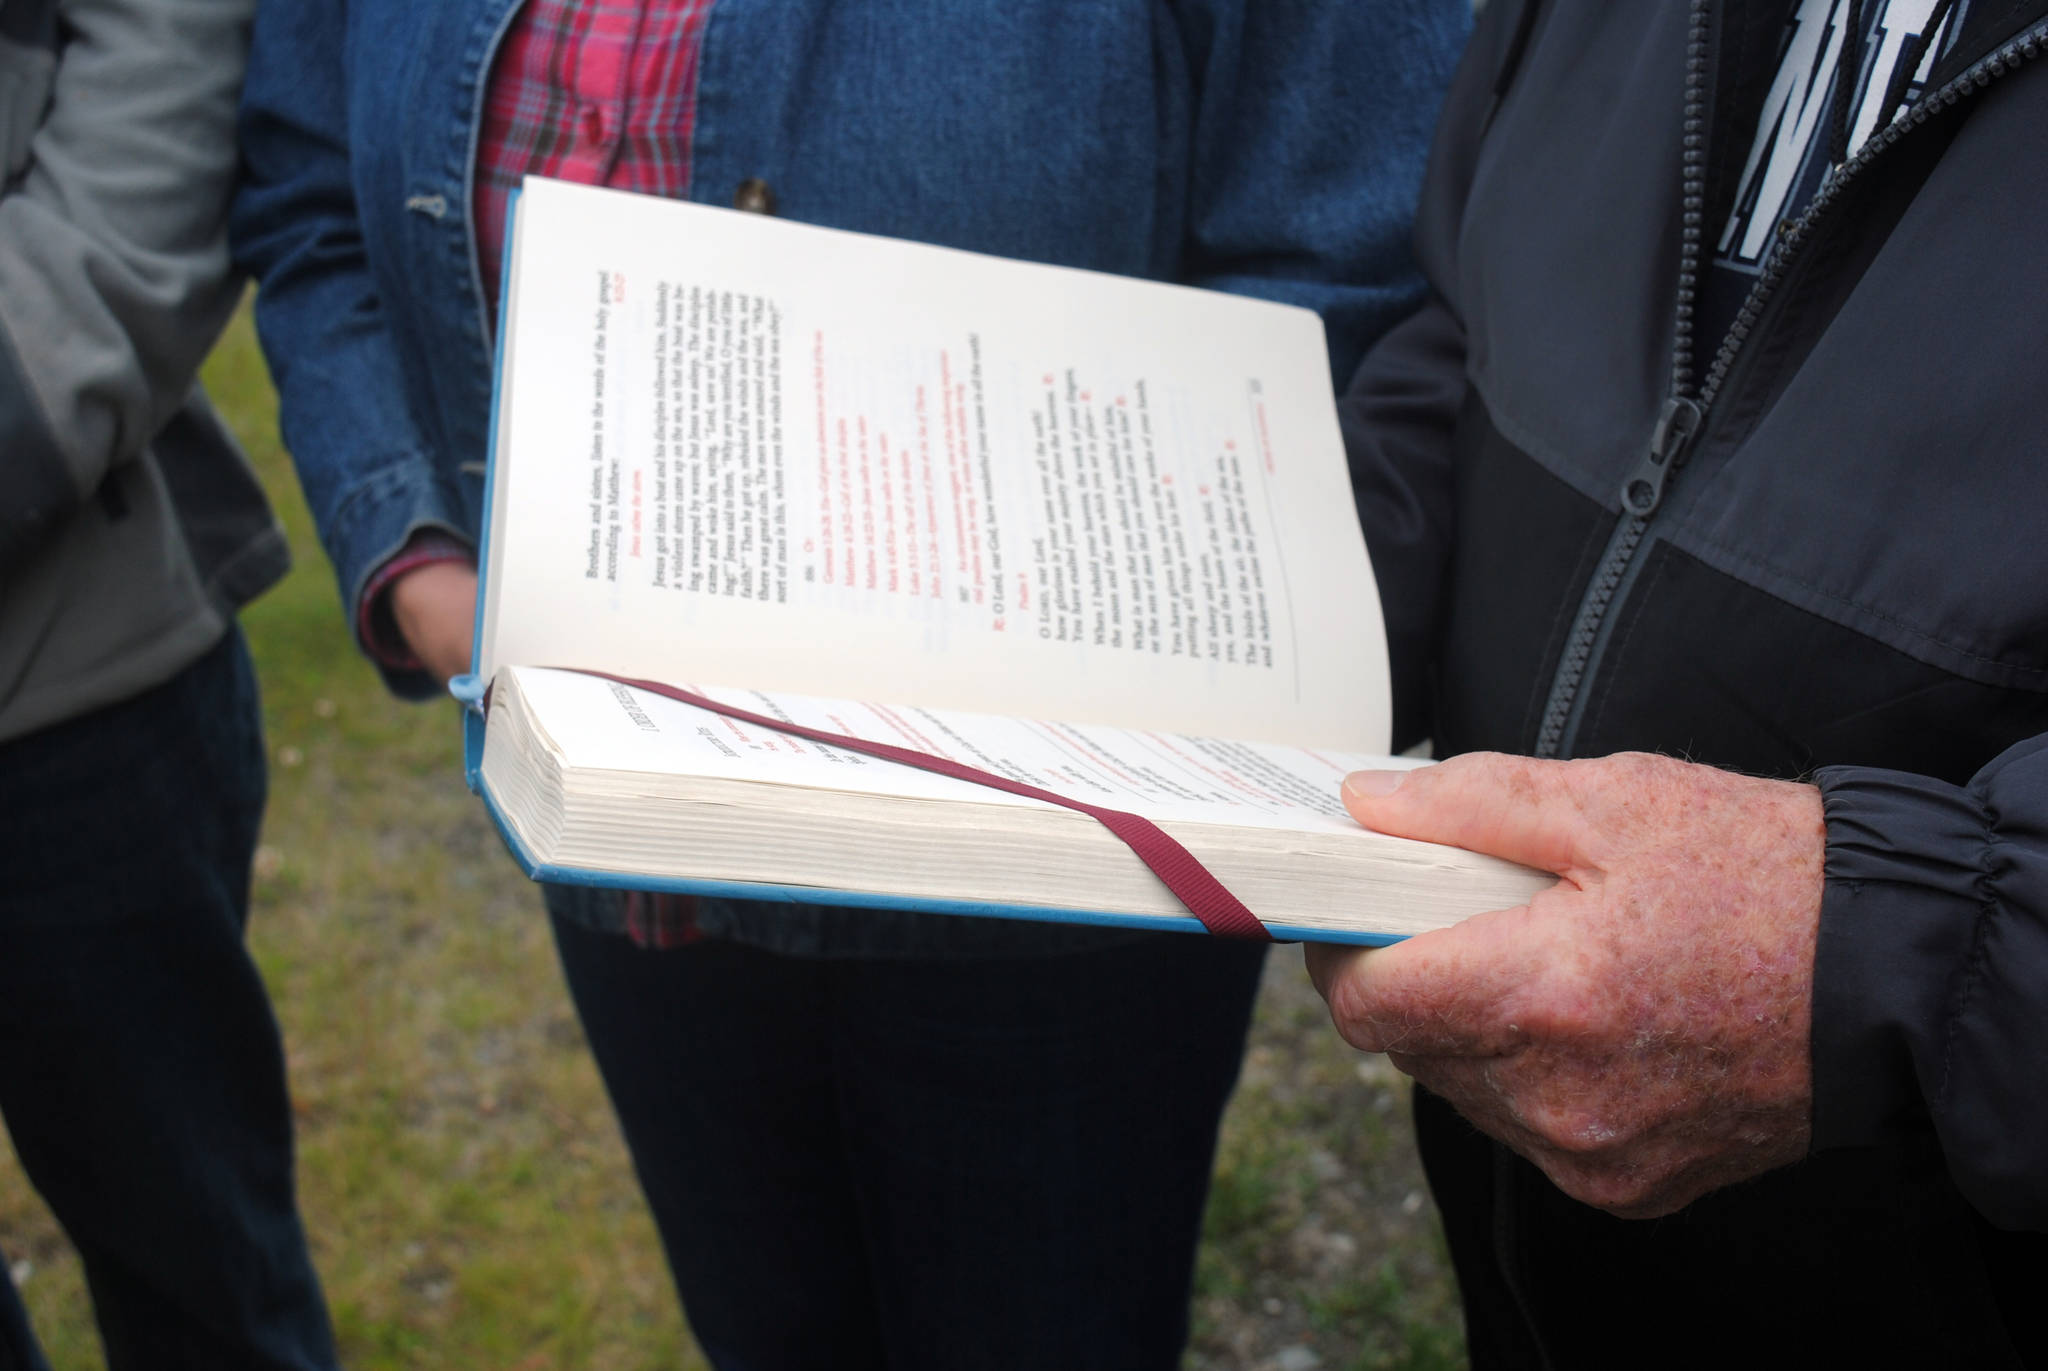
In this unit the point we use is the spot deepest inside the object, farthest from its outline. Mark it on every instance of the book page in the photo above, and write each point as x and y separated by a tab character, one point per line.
741	449
602	725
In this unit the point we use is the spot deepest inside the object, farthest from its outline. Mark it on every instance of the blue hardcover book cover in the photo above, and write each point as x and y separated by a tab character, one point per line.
469	690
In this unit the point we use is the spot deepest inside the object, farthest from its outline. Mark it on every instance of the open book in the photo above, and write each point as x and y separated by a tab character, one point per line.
1071	529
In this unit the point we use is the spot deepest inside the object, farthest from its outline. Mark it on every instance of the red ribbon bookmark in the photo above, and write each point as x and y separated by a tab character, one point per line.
1221	912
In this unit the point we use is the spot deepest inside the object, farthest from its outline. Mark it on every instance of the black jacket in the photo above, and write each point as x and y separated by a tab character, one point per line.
1837	562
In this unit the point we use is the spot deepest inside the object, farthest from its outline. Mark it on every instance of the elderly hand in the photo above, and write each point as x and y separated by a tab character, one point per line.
1639	1031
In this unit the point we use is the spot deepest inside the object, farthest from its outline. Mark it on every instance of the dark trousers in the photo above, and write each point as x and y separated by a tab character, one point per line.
1862	1258
141	1074
923	1165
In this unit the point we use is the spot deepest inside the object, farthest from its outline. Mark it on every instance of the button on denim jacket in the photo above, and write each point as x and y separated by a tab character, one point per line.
1271	147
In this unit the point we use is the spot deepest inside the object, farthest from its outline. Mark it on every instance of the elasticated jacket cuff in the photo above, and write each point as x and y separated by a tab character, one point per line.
1931	978
1905	863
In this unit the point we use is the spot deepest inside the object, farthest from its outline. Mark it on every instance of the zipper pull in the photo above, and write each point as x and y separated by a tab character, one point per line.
1643	491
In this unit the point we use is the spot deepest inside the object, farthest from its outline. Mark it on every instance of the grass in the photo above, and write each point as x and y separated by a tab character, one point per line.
469	1200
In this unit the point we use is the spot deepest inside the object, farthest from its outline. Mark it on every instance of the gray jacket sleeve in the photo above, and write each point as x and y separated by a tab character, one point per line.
117	118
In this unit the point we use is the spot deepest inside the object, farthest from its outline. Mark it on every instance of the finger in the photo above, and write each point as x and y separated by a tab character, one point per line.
1333	969
1625	1181
1327	962
1456	991
1514	807
1469	1085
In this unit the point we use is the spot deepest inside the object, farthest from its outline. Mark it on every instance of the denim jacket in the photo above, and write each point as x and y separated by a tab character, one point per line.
1272	147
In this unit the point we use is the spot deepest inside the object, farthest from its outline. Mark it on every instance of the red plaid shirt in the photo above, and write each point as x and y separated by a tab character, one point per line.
598	91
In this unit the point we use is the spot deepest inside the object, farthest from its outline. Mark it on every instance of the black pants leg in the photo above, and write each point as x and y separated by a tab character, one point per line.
141	1071
928	1165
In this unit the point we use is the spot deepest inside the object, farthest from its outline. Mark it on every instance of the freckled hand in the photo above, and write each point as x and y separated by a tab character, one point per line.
1639	1031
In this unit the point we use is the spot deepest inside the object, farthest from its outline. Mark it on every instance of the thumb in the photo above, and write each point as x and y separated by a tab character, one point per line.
1513	807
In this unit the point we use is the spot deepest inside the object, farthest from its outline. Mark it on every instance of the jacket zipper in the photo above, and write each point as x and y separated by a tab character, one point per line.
1686	411
1684	415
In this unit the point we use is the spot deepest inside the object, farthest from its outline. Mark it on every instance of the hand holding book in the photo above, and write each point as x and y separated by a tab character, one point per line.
1559	1027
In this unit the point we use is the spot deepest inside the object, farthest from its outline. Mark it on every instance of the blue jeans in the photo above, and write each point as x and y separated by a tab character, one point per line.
923	1165
141	1073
